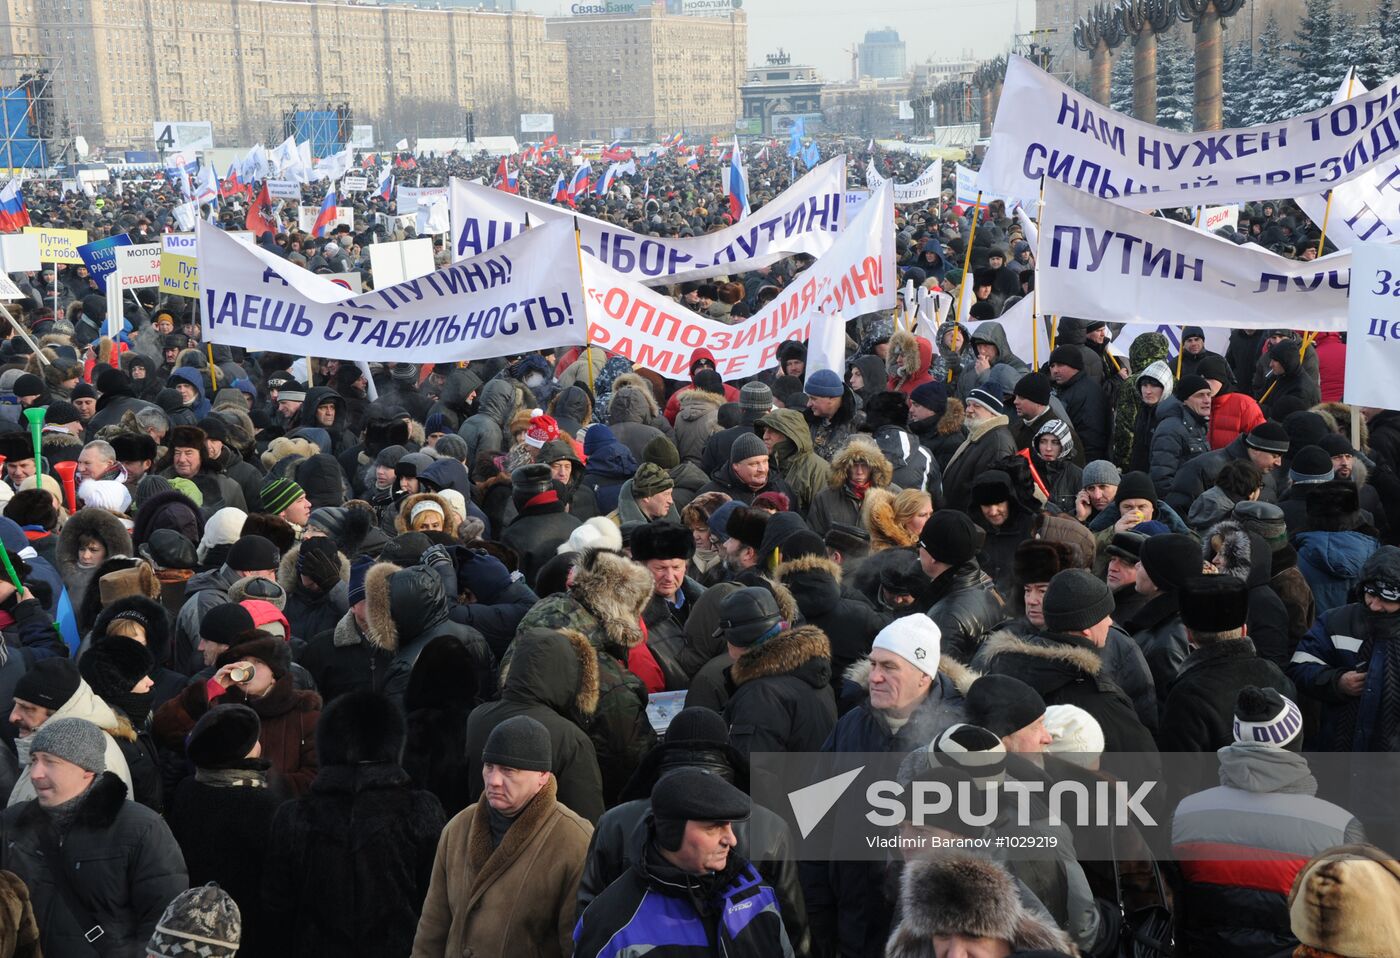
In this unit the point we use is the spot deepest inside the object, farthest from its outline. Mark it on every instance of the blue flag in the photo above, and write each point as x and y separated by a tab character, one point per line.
799	130
811	156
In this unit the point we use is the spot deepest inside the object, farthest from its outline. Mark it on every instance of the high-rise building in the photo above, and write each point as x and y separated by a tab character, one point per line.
881	54
123	65
643	73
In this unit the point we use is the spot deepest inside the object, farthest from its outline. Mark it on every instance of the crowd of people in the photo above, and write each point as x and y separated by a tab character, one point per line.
291	671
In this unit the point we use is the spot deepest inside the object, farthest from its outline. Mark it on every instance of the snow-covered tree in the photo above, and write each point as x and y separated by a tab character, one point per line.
1237	83
1377	45
1319	54
1274	90
1176	79
1121	80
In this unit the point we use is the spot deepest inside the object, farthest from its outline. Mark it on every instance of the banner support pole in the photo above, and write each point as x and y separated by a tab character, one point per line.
967	258
23	333
587	338
1035	290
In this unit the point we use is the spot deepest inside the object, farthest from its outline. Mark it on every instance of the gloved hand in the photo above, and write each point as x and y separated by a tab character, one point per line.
436	555
319	563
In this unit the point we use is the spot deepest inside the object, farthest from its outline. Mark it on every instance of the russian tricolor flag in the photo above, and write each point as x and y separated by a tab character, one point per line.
326	217
13	214
580	181
736	184
561	191
692	162
385	189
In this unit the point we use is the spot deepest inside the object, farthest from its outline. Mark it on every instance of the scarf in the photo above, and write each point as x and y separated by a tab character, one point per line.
248	777
857	490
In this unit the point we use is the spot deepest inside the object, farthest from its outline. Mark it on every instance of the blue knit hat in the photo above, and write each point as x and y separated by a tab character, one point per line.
824	384
358	570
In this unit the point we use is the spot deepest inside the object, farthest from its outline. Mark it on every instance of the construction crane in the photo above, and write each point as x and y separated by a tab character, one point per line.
854	51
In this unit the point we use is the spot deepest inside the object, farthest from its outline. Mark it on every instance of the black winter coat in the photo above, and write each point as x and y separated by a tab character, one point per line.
1084	401
1199	715
496	617
1159	632
964	604
1385	451
123	862
781	699
223	831
348	865
1198	475
341	659
536	533
1180	436
723	480
849	621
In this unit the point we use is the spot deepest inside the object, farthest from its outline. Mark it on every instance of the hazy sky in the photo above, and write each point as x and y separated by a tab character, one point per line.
819	32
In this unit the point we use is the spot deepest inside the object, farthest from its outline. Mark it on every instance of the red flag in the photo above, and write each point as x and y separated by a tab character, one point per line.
260	219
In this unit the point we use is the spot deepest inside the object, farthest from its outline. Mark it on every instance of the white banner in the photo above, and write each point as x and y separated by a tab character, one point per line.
1365	210
284	190
1373	328
407	198
525	295
1044	128
362	136
1214	217
138	266
805	218
928	186
855	276
172	136
354	184
1025	333
537	123
968	187
1101	261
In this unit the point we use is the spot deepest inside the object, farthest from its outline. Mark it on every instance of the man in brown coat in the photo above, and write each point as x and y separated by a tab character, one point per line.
505	880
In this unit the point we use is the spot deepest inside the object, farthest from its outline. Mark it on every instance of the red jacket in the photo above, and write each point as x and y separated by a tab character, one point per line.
673	405
1331	365
1230	415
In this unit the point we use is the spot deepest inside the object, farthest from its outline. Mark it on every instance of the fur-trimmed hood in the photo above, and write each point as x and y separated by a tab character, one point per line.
962	677
696	404
615	590
783	654
632	400
971	897
909	356
381	632
96	523
877	515
450	519
864	449
562	675
285	448
1057	654
813	581
157	624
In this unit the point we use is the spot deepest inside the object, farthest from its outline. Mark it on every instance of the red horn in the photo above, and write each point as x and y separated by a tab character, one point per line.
65	471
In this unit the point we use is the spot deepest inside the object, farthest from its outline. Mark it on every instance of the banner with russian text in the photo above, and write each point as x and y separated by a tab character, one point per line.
805	218
928	185
855	276
1373	328
524	295
1365	210
1101	261
1045	128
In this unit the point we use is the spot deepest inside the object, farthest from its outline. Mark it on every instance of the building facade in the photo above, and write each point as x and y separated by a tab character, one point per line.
881	54
779	92
648	73
123	65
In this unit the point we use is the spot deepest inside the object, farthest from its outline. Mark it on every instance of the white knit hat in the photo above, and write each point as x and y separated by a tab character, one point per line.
1074	734
224	528
108	494
914	638
597	533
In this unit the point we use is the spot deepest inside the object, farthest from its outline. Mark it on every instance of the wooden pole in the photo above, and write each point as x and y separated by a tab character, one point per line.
967	258
587	338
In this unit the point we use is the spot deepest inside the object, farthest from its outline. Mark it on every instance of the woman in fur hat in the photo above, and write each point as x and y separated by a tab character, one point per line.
88	538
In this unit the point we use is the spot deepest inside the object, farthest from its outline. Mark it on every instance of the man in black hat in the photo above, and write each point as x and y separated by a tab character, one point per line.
1035	406
1082	398
665	549
1182	431
782	700
697	738
18	450
1165	563
249	556
716	901
542	522
960	597
1265	445
1199	711
1346	466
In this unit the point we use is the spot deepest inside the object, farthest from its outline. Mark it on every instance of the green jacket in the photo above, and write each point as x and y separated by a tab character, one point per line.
805	471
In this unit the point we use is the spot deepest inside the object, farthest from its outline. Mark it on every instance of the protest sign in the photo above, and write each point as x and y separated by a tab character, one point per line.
306	218
350	280
1373	328
354	184
395	262
1045	128
805	218
19	253
855	199
179	275
58	246
100	256
173	137
1101	261
856	275
407	198
968	187
1213	218
522	296
284	190
928	185
8	289
138	267
1368	208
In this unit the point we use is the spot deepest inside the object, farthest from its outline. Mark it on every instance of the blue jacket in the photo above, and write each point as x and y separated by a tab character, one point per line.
1340	641
1331	562
650	910
200	407
610	464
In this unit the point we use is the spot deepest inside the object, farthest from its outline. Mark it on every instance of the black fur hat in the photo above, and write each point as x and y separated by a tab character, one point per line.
274	529
188	437
662	540
32	507
885	408
1334	506
270	650
360	728
1037	560
113	665
747	525
133	447
223	736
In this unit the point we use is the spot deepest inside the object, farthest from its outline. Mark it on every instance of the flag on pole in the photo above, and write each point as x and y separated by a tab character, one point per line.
259	219
692	162
325	217
385	187
560	193
736	184
811	156
579	184
206	187
605	182
14	216
799	130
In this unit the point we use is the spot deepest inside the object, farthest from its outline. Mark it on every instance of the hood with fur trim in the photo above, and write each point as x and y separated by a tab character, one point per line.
400	608
284	448
909	356
960	675
157	624
877	514
94	523
560	674
971	897
287	569
450	519
641	384
813	581
785	653
615	590
861	448
1039	657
